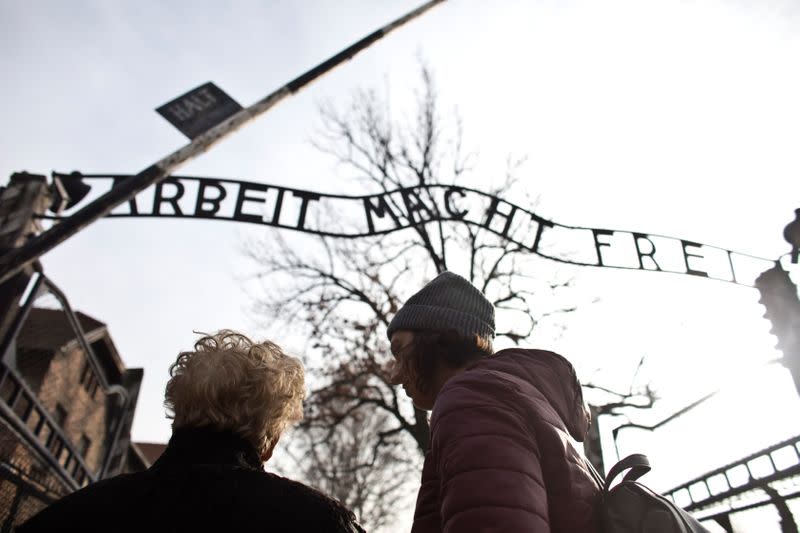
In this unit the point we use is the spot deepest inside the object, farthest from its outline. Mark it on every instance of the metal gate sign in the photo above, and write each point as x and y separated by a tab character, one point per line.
391	211
199	110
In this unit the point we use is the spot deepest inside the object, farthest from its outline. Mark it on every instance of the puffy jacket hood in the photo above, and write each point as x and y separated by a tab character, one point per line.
553	376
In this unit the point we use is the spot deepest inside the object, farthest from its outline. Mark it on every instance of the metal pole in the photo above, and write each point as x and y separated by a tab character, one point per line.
16	259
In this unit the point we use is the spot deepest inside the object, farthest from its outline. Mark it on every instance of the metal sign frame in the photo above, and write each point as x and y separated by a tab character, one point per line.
399	209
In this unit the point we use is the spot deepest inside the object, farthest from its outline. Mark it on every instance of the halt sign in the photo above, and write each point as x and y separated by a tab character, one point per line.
199	110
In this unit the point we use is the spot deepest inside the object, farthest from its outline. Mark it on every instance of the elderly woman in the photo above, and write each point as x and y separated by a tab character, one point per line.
230	401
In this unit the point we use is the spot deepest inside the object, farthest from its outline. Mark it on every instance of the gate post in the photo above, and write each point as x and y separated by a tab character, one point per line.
25	197
779	297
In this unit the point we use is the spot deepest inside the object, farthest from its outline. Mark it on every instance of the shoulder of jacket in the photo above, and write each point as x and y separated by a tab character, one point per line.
99	496
314	503
483	379
477	387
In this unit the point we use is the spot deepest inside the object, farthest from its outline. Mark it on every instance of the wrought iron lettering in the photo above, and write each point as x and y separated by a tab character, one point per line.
391	211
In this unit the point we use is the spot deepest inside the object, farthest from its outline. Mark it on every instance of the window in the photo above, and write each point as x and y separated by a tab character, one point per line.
84	445
60	415
88	380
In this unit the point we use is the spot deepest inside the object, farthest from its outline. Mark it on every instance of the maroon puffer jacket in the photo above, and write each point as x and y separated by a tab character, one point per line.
501	459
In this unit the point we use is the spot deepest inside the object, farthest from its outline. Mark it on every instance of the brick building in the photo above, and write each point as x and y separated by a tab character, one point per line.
66	406
66	398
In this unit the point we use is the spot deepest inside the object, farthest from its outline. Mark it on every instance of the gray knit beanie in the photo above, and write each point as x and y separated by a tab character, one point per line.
448	302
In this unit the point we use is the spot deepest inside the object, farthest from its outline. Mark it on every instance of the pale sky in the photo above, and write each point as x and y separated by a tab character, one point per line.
679	118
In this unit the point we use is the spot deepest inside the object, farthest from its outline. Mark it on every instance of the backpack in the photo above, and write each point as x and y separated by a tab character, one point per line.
630	507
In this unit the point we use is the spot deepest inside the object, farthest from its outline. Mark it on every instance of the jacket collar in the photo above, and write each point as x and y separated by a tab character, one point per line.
193	446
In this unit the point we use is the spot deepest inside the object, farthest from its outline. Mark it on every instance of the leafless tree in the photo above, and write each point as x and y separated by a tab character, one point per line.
343	292
639	396
340	464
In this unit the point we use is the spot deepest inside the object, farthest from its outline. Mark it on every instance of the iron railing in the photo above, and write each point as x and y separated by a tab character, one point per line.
769	476
24	412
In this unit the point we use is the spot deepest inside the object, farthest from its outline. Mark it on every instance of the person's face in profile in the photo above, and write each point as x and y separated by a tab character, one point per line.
403	373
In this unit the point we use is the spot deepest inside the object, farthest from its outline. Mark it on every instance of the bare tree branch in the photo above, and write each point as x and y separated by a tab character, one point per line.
358	436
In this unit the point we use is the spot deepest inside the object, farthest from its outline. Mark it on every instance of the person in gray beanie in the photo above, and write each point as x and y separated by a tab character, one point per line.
501	457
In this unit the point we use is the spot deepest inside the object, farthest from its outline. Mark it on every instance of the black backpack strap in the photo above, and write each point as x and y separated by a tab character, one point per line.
638	464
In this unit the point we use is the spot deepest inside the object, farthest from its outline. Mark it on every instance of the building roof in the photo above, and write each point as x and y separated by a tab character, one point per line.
150	451
50	329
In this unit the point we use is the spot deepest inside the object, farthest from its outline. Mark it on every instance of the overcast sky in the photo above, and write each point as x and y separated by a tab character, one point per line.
679	118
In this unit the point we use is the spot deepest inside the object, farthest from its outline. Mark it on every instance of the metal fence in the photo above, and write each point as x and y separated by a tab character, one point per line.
768	477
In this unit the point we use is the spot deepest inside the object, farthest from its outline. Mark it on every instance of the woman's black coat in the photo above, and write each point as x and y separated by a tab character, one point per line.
204	481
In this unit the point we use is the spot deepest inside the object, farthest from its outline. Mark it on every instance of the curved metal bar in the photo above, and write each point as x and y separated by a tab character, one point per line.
32	291
7	412
376	202
108	388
